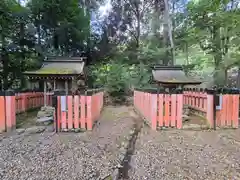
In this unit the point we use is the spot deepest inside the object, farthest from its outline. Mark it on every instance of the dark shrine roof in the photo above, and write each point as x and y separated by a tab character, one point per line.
60	66
171	75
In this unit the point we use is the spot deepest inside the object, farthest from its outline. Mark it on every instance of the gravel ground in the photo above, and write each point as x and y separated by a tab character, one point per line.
174	154
68	156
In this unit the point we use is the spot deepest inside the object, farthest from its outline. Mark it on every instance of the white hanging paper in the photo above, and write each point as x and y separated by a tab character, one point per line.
63	103
220	103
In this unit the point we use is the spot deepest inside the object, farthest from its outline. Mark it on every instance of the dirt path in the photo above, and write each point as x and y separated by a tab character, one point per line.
138	123
84	156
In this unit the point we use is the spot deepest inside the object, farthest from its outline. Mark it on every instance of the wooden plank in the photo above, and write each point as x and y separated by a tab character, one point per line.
223	111
70	112
173	110
2	114
210	109
154	111
63	111
83	111
13	111
160	109
9	107
229	109
179	110
235	111
76	111
58	119
166	109
89	113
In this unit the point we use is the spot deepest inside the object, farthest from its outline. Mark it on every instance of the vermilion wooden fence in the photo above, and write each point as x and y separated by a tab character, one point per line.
30	100
7	111
228	115
202	103
78	111
160	110
13	103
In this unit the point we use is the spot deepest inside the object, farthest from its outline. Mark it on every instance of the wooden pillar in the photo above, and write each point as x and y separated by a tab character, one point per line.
54	84
45	93
66	86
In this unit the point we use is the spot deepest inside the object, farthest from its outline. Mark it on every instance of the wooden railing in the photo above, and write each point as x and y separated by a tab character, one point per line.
203	104
78	111
12	103
159	110
31	100
165	109
197	101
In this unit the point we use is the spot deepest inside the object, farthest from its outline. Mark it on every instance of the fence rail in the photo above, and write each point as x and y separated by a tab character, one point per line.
160	110
78	111
82	111
14	103
203	104
31	100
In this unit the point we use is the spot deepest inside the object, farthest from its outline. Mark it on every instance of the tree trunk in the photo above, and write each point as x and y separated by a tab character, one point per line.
165	33
156	18
219	77
168	22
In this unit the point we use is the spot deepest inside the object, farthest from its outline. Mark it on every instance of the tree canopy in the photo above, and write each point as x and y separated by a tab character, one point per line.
202	35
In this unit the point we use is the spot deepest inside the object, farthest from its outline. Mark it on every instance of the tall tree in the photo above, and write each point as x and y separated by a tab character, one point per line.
214	24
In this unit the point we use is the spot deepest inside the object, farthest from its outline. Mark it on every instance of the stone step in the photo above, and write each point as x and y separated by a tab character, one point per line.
45	119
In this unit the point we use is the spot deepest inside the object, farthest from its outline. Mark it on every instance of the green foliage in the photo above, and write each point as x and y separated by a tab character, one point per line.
27	34
134	36
119	78
64	20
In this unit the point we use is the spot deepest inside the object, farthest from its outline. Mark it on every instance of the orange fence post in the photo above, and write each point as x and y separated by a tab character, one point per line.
166	110
2	112
154	111
89	112
83	111
229	109
76	111
209	105
58	113
70	112
10	110
179	110
174	109
235	110
24	101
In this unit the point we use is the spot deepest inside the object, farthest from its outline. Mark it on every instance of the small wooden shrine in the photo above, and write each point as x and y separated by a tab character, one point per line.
63	73
171	77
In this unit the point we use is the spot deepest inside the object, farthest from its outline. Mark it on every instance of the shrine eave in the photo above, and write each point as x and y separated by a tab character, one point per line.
51	76
173	75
